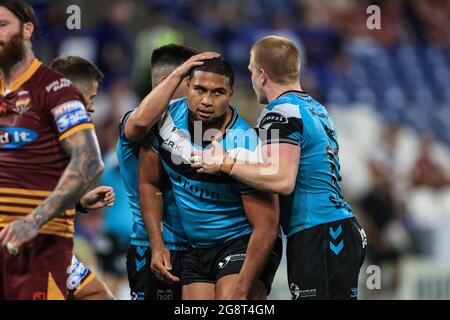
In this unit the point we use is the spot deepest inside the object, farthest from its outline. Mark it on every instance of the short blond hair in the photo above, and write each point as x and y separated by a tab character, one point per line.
279	58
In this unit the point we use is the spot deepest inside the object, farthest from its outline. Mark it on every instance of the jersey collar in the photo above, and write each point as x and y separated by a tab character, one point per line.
293	91
24	77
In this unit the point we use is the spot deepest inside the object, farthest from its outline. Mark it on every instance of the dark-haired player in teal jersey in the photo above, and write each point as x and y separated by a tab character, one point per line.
233	229
144	284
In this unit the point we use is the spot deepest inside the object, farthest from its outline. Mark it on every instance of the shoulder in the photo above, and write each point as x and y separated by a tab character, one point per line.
176	105
51	81
54	90
241	134
284	107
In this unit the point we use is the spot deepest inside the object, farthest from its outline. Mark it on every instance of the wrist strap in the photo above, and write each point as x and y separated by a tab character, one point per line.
227	164
79	208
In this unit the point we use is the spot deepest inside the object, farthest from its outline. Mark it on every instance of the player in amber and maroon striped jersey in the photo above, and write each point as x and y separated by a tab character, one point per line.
49	156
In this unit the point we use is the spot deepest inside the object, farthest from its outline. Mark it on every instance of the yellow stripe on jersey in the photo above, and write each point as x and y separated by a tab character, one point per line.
62	222
25	192
53	291
16	209
66	232
84	283
20	201
78	128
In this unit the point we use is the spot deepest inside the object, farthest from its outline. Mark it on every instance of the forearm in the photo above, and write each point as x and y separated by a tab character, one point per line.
259	248
152	208
74	182
151	108
261	176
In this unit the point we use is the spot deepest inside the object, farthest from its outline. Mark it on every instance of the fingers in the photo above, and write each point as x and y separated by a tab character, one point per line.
168	277
167	263
7	235
109	198
197	165
204	56
198	153
3	233
103	189
216	144
12	249
162	273
196	159
196	60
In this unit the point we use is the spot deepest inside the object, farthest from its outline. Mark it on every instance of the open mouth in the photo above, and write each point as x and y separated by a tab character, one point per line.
205	114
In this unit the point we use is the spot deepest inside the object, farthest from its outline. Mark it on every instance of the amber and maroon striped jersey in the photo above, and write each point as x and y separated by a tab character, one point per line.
39	110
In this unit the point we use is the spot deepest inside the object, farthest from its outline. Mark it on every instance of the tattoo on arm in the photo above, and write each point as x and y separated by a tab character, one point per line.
84	167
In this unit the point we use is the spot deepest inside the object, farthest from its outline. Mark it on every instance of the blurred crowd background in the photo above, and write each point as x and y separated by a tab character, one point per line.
388	91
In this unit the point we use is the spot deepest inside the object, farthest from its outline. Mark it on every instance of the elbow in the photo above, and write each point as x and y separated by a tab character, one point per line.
286	187
96	169
137	130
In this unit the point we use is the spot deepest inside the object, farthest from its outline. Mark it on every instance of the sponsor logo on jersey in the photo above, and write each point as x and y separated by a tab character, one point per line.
58	85
13	138
271	118
190	186
70	114
297	293
231	258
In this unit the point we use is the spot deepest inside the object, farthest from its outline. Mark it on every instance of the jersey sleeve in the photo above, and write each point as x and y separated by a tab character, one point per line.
242	145
66	107
122	123
152	140
79	277
281	124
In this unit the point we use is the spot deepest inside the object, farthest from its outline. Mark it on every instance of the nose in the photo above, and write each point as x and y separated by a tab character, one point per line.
207	100
91	108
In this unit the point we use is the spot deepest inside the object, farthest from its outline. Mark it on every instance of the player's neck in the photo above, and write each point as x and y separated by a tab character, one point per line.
220	125
20	68
273	90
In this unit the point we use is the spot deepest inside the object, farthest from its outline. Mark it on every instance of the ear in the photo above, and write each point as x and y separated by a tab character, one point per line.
28	29
231	92
263	76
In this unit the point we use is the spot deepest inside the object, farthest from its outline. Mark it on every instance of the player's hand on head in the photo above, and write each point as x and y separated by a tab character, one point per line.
15	234
210	159
161	265
98	198
197	60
